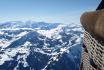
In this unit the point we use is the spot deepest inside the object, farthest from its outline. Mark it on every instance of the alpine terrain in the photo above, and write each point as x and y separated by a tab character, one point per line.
40	46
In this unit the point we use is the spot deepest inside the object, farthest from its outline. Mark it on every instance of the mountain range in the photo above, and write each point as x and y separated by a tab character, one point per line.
40	46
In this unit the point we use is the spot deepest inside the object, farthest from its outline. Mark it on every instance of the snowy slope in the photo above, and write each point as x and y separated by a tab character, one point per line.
47	46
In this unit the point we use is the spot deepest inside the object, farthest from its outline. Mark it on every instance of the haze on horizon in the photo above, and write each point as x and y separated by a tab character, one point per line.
58	11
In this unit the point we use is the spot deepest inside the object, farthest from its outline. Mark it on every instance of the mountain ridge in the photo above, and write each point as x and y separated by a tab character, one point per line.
55	47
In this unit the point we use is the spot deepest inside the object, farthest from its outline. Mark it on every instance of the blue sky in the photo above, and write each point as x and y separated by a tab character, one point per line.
62	11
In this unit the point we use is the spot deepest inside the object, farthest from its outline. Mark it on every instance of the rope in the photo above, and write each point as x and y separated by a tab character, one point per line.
95	52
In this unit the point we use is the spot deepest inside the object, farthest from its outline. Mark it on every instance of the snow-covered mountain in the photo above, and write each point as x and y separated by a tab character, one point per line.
28	24
40	46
